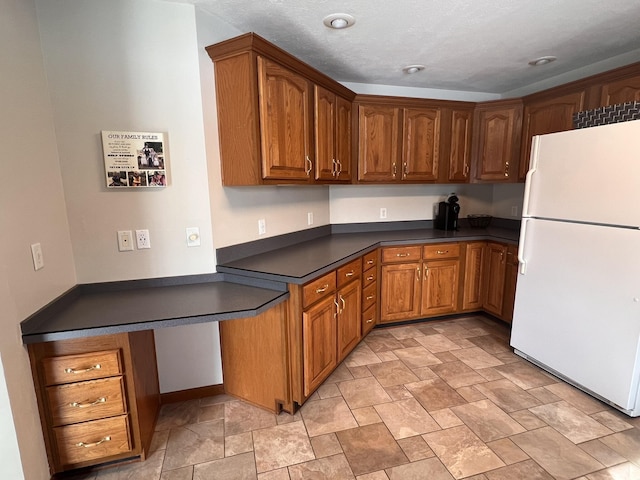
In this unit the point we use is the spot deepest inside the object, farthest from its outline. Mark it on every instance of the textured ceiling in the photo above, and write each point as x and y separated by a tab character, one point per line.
470	45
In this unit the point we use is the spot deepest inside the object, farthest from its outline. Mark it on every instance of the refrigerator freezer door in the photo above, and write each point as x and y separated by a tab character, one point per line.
577	308
590	175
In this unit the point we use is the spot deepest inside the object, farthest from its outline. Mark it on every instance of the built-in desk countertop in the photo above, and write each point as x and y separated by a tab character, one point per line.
251	278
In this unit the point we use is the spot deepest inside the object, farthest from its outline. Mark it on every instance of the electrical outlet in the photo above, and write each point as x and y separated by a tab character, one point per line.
38	258
310	218
514	210
383	212
262	226
125	240
193	237
143	239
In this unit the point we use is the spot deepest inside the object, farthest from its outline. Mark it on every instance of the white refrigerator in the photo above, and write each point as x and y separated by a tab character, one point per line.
577	307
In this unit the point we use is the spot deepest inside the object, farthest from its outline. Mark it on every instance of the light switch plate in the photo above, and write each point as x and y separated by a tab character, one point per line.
193	237
38	258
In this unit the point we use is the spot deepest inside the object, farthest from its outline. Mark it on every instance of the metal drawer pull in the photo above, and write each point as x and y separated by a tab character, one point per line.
323	288
344	304
338	312
370	277
97	366
369	262
370	297
349	274
442	252
85	405
94	444
310	165
370	320
339	168
402	254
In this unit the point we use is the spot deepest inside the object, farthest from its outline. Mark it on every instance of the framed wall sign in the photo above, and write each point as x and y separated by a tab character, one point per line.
134	159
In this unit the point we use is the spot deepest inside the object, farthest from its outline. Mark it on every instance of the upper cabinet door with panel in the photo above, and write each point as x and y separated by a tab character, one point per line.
497	139
285	118
460	146
547	115
621	91
332	135
421	144
378	143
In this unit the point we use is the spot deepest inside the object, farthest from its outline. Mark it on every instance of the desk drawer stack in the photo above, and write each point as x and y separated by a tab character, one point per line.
98	398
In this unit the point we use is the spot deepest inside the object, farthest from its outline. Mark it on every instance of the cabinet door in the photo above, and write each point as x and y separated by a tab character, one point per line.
319	343
378	143
474	259
621	91
460	147
325	128
497	149
400	292
440	287
421	144
349	318
494	272
510	279
343	147
547	116
285	120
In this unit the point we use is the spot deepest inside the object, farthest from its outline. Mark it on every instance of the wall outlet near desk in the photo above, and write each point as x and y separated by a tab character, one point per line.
143	240
309	218
383	212
262	226
514	210
125	240
38	258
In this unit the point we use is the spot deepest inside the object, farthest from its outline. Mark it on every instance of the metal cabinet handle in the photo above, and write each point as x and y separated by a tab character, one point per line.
370	277
418	273
442	252
369	321
466	170
338	312
506	169
94	444
369	262
339	168
403	254
323	288
309	165
394	170
344	304
334	167
406	169
86	405
349	274
97	366
370	297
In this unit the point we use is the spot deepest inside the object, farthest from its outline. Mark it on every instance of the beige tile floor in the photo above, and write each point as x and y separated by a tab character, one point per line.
437	400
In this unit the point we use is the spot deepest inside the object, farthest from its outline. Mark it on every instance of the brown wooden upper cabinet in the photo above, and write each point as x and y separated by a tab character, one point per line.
269	106
624	90
547	115
378	131
496	140
333	136
413	140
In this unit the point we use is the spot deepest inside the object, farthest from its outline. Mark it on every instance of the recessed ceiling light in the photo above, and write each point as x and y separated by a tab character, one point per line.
542	61
339	21
409	69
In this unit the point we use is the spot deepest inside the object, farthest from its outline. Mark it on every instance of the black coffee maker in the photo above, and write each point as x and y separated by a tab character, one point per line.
447	217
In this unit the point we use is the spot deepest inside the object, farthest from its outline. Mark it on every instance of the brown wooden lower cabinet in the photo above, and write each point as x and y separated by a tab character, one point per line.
98	398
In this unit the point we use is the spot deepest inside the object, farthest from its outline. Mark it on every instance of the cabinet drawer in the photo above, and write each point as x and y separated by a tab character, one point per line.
349	272
85	366
369	296
441	250
370	260
93	440
369	276
318	288
369	319
83	401
401	254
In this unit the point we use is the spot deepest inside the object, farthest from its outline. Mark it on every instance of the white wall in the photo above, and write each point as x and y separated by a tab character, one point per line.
133	65
32	209
505	198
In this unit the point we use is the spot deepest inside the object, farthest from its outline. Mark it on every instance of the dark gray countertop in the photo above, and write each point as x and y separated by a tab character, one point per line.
302	262
116	307
244	287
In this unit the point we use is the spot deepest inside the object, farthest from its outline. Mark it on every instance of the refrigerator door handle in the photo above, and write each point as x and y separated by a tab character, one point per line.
533	165
522	246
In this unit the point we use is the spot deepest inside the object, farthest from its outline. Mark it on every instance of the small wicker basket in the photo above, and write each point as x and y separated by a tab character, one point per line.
479	220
